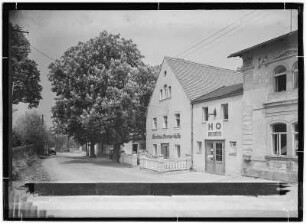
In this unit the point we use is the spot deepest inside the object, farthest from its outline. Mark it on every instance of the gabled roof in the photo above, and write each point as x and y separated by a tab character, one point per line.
199	79
239	53
222	92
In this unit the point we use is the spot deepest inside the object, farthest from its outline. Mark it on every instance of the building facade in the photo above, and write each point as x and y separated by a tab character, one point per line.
270	108
169	125
217	131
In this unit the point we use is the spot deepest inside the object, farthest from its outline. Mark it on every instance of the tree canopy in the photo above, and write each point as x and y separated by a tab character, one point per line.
25	75
101	87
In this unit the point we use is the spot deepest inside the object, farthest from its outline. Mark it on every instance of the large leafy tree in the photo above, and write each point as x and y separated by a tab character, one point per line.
98	92
25	75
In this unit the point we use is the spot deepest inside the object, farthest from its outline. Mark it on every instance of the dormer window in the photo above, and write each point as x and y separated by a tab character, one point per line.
161	94
280	79
165	73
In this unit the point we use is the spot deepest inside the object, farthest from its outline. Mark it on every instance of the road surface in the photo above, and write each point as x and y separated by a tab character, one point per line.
77	168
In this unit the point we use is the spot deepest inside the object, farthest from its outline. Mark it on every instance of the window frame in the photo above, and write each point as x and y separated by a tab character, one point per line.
177	148
205	115
279	138
295	75
165	122
176	123
199	146
154	123
294	133
276	77
155	149
223	106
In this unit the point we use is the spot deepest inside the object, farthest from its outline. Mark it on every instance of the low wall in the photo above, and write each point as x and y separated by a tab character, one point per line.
272	168
165	165
130	159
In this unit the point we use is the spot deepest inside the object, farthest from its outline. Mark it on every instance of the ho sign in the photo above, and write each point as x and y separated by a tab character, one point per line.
215	129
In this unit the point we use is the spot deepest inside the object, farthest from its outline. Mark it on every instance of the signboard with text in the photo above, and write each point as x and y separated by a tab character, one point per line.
215	129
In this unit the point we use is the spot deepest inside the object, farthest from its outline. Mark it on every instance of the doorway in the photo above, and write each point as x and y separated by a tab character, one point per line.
165	150
214	157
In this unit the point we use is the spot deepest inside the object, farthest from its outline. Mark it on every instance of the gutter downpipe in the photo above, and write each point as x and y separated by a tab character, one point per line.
191	136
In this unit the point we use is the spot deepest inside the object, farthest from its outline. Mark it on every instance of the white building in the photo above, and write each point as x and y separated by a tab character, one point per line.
169	119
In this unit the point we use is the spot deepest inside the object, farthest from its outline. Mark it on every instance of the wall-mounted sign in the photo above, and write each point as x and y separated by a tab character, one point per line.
215	129
166	136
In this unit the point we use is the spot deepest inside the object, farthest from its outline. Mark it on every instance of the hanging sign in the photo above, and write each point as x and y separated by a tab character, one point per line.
215	129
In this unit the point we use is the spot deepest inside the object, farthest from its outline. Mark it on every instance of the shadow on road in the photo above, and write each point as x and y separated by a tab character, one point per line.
95	161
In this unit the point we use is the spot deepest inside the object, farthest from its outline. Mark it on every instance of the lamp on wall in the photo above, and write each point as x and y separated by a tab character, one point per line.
214	113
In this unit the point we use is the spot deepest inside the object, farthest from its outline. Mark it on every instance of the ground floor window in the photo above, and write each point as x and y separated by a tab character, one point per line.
135	148
295	137
155	149
165	150
279	139
199	146
178	150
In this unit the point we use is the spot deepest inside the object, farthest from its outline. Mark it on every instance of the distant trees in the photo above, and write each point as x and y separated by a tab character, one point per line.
24	72
29	129
102	86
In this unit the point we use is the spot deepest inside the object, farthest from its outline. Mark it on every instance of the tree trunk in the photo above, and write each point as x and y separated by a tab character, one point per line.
87	150
92	150
116	154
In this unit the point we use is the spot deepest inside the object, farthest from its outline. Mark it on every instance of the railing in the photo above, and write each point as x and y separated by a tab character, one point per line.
165	165
130	159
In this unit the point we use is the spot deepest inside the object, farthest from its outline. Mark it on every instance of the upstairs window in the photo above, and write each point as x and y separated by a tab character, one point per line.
169	91
161	94
280	79
205	114
178	120
166	91
295	75
279	139
154	123
224	111
165	123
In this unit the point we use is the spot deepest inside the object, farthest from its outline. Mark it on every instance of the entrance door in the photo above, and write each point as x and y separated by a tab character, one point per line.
214	157
165	150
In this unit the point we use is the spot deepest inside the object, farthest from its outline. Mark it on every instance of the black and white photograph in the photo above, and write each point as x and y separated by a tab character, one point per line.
153	111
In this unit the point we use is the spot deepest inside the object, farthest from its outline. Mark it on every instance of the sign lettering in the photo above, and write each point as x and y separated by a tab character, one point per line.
215	129
166	136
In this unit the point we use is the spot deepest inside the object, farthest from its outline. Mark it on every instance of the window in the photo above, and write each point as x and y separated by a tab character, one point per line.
295	129
280	78
225	111
154	124
165	150
205	114
178	120
295	75
165	123
161	94
155	148
165	73
199	147
178	151
233	148
279	139
166	91
169	91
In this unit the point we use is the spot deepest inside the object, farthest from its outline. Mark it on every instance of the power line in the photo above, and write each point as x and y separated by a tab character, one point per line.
42	53
259	19
218	37
209	37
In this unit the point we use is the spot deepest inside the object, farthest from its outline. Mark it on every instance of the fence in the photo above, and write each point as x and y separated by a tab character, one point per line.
165	165
21	206
130	159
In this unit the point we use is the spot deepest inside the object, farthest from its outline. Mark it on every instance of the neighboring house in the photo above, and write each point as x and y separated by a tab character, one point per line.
217	131
169	115
132	147
270	108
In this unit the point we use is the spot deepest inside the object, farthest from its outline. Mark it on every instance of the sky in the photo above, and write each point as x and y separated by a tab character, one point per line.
203	36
